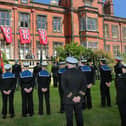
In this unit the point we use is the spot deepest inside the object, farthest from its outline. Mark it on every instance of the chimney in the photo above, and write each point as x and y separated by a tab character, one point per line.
108	7
54	2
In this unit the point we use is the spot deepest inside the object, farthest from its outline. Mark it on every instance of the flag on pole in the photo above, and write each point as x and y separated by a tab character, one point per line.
25	35
43	36
7	32
1	61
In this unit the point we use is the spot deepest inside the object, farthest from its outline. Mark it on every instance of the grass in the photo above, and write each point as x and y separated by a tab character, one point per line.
95	117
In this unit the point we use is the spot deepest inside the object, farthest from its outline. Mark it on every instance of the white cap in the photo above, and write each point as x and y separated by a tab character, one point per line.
44	63
71	60
7	66
26	64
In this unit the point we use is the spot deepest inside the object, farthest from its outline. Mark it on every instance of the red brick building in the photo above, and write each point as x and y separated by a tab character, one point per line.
89	22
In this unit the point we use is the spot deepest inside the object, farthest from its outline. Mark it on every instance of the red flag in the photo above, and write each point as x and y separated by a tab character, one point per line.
43	36
1	61
7	31
25	35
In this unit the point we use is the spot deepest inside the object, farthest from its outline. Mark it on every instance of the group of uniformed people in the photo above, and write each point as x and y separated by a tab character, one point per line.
74	80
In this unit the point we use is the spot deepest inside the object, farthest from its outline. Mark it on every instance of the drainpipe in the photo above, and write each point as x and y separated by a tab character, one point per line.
120	30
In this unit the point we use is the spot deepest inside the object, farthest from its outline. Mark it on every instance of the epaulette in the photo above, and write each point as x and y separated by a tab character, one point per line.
26	74
105	68
44	73
8	75
85	68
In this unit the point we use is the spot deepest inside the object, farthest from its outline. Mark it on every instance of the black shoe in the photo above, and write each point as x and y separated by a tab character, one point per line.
40	114
31	115
4	116
12	115
24	115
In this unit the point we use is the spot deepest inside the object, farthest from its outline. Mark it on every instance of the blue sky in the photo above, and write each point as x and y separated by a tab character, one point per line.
119	7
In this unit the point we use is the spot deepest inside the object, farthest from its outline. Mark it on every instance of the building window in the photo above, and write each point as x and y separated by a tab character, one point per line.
41	22
6	49
57	24
92	45
115	31
55	45
24	50
44	50
116	50
106	30
124	32
91	24
107	48
24	1
24	20
4	18
88	2
82	24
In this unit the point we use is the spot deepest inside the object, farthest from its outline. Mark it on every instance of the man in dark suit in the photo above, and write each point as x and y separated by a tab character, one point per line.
105	83
62	69
117	70
7	86
74	86
54	71
27	85
88	73
43	79
16	69
121	94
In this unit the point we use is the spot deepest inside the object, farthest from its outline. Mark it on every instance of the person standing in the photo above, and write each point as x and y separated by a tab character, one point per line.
7	86
62	69
117	70
16	69
54	73
43	79
121	95
74	85
105	83
27	85
88	73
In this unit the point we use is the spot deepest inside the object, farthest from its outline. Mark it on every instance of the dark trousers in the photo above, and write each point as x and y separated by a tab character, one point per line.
77	108
87	100
61	99
105	95
122	110
11	103
55	81
27	103
47	101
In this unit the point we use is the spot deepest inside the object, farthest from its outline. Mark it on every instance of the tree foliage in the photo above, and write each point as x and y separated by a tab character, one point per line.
79	52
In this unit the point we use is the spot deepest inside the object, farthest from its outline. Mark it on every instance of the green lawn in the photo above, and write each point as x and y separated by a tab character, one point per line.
95	117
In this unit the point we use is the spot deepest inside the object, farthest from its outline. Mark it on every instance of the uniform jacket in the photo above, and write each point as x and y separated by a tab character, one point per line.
73	81
27	79
43	79
7	81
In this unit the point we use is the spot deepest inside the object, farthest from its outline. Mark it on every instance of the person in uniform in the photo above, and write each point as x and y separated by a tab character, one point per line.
105	82
16	69
62	69
117	70
54	71
27	85
43	79
74	85
36	69
121	94
7	86
88	73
